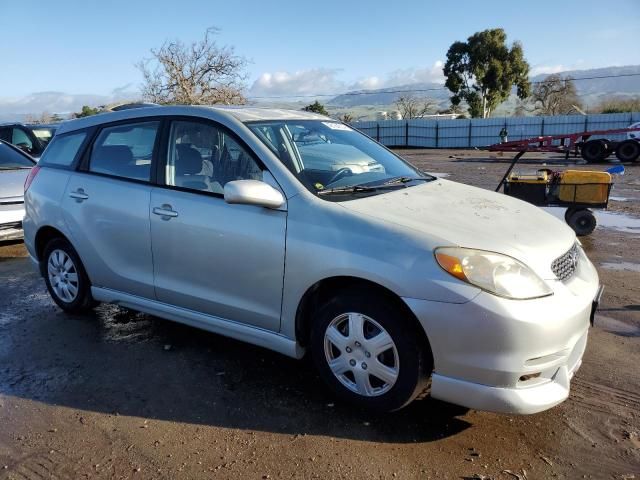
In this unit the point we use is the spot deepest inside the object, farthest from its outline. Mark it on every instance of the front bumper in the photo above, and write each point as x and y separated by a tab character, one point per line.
509	356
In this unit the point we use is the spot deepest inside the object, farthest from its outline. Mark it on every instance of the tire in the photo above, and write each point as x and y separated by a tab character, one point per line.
66	278
583	222
594	151
568	213
404	360
628	151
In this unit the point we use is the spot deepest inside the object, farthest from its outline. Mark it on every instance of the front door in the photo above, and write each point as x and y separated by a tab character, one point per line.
211	257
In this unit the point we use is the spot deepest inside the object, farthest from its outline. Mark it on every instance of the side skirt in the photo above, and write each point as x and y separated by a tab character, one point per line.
228	328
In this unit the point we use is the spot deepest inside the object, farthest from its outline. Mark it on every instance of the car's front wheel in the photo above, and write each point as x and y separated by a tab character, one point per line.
66	279
369	352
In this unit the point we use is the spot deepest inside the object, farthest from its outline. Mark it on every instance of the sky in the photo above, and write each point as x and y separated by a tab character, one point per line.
297	47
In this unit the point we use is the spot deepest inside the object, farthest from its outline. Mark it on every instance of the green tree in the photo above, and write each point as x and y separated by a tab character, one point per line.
482	71
316	107
86	111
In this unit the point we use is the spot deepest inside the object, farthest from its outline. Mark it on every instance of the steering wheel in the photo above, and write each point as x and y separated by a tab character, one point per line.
343	172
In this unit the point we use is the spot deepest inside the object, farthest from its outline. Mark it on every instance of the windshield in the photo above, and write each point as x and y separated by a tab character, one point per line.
44	134
330	157
11	159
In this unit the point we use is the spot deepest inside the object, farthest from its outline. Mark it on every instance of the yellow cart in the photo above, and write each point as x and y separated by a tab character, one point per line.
578	190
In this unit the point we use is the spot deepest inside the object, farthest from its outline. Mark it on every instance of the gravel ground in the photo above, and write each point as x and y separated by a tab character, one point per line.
117	394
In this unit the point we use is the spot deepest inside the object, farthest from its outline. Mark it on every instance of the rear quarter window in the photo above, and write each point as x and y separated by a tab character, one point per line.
63	149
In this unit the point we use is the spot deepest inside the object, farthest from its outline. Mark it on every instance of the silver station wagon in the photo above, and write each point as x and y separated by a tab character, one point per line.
292	231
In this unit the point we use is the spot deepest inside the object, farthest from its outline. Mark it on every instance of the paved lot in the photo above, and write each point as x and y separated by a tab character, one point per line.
117	394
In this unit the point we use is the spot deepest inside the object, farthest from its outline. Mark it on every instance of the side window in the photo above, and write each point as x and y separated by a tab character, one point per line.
204	157
20	138
125	150
63	149
5	134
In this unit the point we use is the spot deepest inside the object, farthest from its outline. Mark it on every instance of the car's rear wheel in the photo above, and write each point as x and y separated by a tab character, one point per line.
369	353
66	278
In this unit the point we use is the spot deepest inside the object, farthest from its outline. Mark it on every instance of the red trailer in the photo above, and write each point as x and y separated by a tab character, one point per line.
595	150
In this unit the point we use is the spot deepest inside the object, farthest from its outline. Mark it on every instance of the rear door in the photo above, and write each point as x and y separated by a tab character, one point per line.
106	204
211	257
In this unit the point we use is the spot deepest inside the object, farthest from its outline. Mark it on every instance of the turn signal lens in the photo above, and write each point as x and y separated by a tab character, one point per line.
452	265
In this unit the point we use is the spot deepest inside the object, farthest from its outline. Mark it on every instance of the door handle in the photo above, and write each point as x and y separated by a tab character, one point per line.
165	211
79	195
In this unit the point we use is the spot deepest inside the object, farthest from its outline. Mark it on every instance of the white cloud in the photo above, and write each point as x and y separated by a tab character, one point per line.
406	76
327	81
303	82
546	69
13	108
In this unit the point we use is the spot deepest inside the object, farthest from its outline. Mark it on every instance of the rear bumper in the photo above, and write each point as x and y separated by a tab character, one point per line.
11	215
11	231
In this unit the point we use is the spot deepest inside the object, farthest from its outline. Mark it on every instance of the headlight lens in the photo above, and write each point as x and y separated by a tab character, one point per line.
496	273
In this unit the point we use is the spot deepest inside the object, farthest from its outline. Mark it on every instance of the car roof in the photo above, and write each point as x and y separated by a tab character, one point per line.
239	113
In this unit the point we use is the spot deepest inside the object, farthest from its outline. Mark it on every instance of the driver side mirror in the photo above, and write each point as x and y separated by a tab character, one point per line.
252	192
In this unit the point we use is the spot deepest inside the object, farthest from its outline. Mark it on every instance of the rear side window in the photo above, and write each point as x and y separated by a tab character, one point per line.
63	149
125	150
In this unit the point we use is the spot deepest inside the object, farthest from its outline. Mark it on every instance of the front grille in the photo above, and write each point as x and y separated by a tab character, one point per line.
565	265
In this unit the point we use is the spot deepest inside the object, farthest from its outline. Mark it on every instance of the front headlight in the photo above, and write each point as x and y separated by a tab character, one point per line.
496	273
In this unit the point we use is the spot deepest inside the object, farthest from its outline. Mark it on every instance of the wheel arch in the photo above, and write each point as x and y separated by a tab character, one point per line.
323	289
43	236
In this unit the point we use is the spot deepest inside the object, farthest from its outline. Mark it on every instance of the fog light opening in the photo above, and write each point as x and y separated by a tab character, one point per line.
529	376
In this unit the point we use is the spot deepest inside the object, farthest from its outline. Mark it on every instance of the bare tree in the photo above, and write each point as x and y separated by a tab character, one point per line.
346	118
44	117
555	95
202	73
411	106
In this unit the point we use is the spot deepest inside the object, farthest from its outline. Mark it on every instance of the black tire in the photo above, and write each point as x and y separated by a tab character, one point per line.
567	214
82	300
411	356
582	221
628	151
594	151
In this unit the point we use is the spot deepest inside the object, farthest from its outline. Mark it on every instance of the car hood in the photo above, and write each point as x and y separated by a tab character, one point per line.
12	184
452	213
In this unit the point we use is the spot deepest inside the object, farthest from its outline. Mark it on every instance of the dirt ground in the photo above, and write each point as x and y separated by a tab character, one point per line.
117	394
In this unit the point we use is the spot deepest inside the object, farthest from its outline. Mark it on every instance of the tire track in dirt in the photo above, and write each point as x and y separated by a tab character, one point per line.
43	465
604	397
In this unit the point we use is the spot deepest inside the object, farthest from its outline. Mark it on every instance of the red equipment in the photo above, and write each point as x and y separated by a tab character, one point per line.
591	150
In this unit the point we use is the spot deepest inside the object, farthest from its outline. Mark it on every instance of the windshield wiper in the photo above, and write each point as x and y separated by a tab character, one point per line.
397	180
360	188
14	168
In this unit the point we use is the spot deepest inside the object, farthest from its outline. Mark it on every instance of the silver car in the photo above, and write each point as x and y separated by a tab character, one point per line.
396	282
15	166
